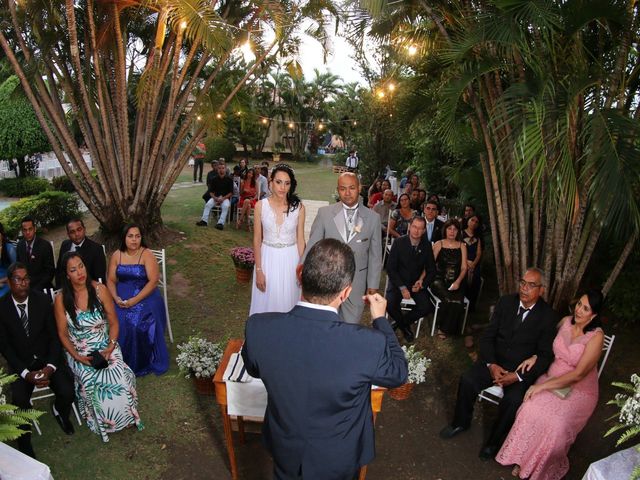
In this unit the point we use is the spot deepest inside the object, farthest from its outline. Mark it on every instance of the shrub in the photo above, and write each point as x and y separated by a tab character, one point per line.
219	147
47	209
23	186
62	184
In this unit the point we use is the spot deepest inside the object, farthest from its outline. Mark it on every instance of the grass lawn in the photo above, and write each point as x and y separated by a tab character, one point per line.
183	436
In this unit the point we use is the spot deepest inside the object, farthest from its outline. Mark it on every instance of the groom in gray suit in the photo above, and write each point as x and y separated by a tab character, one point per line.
353	223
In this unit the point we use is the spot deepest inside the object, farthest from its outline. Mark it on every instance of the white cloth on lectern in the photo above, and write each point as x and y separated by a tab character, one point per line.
15	465
246	395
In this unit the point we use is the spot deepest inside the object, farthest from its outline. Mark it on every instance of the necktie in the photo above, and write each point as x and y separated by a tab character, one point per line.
520	316
350	215
23	317
429	229
29	251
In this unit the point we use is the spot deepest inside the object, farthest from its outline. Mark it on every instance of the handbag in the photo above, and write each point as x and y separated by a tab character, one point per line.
562	392
98	361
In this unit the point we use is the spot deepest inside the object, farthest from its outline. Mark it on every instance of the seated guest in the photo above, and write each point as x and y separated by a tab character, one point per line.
248	197
414	200
37	254
262	175
243	168
469	211
472	237
401	216
411	269
547	424
434	226
451	269
29	343
405	179
133	283
7	257
318	371
383	209
237	183
88	330
91	252
522	325
422	197
376	187
220	191
412	184
377	197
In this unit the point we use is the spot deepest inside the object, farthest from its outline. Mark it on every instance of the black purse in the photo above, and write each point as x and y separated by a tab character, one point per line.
98	361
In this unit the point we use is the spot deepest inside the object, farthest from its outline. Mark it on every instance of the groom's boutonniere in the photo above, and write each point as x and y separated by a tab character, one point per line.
358	227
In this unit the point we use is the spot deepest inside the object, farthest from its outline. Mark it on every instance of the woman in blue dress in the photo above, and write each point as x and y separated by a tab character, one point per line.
7	257
133	283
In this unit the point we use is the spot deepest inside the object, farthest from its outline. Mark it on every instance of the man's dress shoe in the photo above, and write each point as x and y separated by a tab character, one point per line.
450	431
407	333
488	452
65	423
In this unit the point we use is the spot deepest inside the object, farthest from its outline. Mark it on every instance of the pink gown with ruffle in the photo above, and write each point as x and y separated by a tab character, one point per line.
546	425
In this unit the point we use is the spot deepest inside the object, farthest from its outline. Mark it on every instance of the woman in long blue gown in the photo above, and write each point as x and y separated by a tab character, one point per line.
133	283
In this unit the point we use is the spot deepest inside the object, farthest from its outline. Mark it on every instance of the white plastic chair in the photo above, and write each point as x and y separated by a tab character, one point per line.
162	283
388	241
40	393
495	393
436	303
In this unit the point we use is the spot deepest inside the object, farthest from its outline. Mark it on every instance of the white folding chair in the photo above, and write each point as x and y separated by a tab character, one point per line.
40	393
495	393
388	241
216	210
52	292
162	283
436	304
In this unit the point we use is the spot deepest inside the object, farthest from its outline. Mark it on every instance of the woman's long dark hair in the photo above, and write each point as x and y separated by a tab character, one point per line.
253	177
4	258
123	236
68	296
596	302
292	199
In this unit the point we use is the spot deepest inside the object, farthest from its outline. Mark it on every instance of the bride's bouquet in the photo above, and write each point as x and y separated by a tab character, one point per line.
628	418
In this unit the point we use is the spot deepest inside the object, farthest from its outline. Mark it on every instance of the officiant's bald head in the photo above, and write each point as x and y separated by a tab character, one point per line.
327	271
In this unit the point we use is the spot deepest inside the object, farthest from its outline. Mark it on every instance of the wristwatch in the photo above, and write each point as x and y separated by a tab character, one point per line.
113	341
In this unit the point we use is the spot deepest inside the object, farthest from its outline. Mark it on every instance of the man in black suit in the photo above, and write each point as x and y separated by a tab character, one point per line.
37	254
411	269
434	226
29	342
522	325
91	252
318	371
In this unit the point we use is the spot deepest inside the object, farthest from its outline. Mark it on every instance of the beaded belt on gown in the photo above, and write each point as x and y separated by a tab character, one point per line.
279	245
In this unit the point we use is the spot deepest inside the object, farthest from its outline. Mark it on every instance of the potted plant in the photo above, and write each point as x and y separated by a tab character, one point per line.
11	417
244	261
418	365
278	148
628	418
198	359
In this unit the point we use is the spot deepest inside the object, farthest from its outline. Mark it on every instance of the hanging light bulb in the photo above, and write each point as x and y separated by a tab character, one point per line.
264	121
199	117
291	125
412	50
183	24
218	116
355	123
380	94
391	87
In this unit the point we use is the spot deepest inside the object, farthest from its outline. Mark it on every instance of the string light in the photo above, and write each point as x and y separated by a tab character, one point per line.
391	87
291	125
380	94
412	50
183	24
264	121
218	116
199	117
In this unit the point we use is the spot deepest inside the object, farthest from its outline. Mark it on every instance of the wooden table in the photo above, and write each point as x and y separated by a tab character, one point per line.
234	346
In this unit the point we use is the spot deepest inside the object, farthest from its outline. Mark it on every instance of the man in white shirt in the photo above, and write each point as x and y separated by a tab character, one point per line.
352	161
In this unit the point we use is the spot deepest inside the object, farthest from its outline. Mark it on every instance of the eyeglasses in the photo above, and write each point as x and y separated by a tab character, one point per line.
20	279
430	208
529	285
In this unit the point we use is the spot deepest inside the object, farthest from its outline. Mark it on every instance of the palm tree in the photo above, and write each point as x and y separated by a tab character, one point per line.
142	81
544	93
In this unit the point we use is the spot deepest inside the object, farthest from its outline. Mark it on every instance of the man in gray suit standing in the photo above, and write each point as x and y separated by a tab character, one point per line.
359	227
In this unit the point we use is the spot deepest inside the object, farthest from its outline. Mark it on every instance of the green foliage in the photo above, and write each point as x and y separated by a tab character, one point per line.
62	184
23	186
20	132
47	209
218	147
11	418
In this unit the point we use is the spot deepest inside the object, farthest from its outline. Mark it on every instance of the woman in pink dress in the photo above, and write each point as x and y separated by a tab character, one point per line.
547	424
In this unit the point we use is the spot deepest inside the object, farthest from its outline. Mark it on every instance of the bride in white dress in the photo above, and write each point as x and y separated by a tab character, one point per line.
278	245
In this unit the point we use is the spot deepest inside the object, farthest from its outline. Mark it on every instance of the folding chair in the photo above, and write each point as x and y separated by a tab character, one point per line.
388	241
436	304
40	393
162	283
495	393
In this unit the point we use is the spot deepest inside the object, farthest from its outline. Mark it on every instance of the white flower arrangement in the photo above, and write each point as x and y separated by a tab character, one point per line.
628	419
199	357
418	365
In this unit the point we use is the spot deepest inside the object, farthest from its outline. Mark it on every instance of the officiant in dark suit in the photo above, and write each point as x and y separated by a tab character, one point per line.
411	269
29	342
91	252
522	325
37	254
318	371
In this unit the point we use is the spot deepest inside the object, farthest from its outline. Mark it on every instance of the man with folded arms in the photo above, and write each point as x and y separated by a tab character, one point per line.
29	342
522	325
318	372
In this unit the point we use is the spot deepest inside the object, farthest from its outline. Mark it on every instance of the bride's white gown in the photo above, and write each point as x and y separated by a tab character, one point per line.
279	261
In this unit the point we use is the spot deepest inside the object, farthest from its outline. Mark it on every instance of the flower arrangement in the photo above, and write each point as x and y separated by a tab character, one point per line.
11	417
199	357
628	419
418	365
243	257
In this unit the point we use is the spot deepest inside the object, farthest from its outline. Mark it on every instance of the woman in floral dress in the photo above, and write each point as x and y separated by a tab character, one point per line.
87	322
